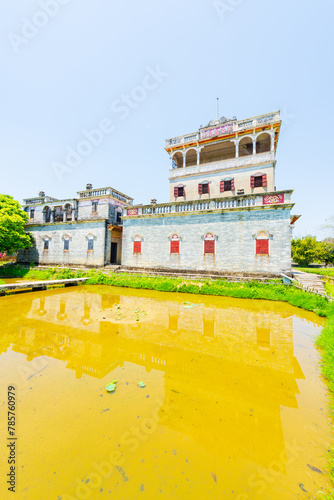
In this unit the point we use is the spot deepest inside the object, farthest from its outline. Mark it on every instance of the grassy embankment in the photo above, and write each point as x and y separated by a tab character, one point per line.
328	271
249	290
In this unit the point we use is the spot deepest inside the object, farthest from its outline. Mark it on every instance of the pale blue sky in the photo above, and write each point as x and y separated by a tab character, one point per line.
64	77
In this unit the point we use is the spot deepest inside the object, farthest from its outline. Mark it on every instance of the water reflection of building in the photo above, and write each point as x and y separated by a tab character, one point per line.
215	355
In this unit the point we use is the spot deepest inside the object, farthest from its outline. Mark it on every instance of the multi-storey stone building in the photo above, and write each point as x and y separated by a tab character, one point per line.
86	230
224	212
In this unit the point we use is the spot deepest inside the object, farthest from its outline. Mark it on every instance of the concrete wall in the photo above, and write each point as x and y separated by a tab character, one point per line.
77	254
241	181
234	246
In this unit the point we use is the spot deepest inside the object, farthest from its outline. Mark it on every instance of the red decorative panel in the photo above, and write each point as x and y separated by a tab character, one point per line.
137	247
275	199
174	247
209	246
262	247
132	211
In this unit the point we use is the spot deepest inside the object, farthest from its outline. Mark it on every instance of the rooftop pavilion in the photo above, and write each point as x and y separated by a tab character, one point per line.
225	140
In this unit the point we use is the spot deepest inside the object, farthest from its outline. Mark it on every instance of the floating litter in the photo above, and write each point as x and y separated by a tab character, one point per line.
142	384
111	386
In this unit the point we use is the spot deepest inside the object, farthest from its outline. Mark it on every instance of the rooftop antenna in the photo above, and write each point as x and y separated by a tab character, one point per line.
217	108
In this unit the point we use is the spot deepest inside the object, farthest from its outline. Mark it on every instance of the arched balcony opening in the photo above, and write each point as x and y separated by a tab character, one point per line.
178	159
46	214
191	157
59	214
263	143
68	212
217	152
246	146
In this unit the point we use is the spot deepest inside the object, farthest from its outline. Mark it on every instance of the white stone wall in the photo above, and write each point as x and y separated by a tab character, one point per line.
77	254
241	181
234	246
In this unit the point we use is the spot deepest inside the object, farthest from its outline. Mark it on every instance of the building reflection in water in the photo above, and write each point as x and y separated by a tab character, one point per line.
223	353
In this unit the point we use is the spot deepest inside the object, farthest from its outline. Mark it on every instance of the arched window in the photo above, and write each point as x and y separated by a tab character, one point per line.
137	244
46	242
90	239
67	240
262	243
174	244
209	244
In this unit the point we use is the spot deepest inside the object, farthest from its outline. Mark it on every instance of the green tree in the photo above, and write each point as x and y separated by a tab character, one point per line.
307	250
328	249
12	222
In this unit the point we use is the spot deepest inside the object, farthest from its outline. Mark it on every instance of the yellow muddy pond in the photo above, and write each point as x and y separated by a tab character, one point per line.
233	405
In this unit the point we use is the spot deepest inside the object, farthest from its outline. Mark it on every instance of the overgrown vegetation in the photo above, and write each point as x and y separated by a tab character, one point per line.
306	250
246	290
325	272
326	342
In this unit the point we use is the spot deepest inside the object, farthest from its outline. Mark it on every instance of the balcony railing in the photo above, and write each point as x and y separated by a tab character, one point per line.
242	161
263	199
226	128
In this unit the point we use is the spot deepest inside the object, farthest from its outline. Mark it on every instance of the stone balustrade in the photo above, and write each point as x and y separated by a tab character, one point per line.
234	126
227	203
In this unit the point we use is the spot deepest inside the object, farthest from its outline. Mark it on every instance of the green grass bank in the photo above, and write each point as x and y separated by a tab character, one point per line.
329	271
247	290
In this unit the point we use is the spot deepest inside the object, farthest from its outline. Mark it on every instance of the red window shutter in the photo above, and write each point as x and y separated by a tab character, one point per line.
209	246
252	181
137	247
175	192
221	186
232	184
199	188
262	247
264	180
174	247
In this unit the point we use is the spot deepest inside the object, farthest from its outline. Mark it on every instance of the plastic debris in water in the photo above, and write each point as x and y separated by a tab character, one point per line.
111	386
142	384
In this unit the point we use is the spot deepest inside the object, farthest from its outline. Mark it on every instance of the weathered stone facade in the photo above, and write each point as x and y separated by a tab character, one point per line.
84	231
234	235
224	213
